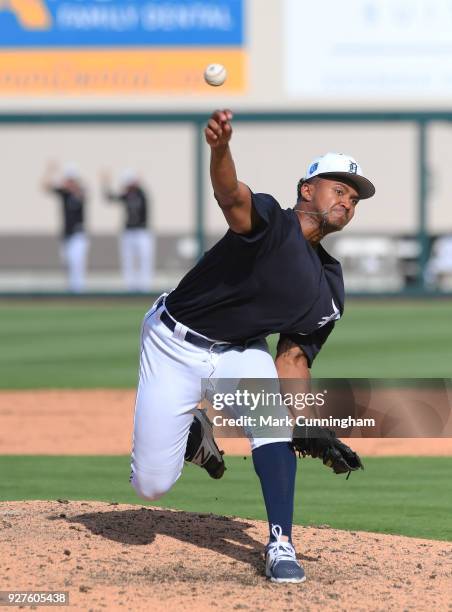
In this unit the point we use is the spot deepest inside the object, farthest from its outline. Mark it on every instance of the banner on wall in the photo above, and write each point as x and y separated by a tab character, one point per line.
368	50
119	46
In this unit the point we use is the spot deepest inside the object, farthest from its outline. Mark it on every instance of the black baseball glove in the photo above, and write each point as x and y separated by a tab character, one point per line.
322	443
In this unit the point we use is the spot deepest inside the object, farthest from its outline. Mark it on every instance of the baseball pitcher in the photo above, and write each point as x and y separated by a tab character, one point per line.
268	274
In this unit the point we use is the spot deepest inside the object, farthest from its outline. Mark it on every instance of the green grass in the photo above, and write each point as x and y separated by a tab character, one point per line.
69	346
400	495
89	344
406	339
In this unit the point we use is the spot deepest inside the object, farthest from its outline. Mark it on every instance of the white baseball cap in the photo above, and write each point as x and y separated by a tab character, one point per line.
71	172
128	177
341	165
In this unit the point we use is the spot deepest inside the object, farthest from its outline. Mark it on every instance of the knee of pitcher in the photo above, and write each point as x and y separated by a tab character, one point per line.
151	487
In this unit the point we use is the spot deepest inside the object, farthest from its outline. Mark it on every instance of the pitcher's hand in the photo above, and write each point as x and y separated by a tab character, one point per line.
218	131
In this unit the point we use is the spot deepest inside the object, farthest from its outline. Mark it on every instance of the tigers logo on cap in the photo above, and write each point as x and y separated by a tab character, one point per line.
340	165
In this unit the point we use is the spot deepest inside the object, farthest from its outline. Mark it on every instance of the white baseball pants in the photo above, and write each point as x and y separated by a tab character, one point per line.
137	249
73	254
169	388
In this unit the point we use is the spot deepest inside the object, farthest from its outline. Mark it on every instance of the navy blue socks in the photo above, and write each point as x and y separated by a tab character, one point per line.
276	466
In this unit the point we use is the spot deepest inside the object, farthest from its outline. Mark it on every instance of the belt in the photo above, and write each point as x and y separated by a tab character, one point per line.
198	341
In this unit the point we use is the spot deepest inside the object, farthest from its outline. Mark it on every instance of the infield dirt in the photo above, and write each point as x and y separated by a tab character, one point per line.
113	557
125	557
99	422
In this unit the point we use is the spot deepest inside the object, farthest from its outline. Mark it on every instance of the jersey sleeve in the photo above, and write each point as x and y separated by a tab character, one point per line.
58	190
112	196
268	212
311	344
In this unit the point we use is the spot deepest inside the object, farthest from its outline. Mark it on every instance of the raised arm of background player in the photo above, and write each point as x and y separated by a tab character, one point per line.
234	197
48	182
107	192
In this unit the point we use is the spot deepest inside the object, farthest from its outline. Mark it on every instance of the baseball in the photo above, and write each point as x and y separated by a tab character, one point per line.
215	74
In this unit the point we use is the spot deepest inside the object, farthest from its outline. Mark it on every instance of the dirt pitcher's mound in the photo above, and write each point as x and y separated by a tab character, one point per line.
114	557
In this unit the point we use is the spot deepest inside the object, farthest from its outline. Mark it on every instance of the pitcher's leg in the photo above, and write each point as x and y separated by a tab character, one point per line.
253	370
160	439
169	390
273	459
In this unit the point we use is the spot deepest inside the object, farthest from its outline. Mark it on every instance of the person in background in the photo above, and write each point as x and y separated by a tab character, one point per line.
67	185
438	271
136	245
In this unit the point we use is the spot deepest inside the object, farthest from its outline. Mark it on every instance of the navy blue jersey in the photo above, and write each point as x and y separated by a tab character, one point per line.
268	281
72	208
135	206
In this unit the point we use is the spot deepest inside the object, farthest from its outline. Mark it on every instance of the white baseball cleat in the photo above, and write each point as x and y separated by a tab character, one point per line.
281	563
202	449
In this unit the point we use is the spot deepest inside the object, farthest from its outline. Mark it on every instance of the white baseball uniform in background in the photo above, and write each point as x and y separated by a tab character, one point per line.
137	253
74	244
73	252
136	242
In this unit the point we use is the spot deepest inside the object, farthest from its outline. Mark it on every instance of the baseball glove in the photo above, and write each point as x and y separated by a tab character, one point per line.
322	443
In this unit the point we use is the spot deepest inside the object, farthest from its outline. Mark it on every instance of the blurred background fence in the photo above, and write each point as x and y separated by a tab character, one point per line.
398	243
110	85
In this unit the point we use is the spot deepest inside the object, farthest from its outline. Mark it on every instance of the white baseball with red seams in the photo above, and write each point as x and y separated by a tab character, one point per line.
215	74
